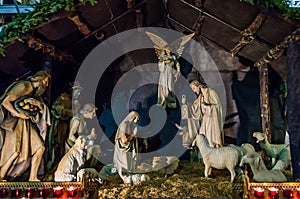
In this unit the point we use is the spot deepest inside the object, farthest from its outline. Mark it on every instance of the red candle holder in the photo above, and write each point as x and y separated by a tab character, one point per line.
298	191
3	192
44	192
259	192
29	192
16	192
273	192
58	191
287	193
72	191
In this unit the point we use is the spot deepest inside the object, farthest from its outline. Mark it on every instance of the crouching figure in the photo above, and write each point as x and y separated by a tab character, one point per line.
71	162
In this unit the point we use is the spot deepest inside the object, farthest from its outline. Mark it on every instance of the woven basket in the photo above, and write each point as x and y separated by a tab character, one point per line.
27	109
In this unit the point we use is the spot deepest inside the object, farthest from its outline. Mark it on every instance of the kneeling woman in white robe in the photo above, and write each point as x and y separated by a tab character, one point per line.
126	147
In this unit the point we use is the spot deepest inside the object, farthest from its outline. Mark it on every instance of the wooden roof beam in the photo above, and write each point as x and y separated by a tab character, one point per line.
248	35
49	49
97	31
278	50
82	27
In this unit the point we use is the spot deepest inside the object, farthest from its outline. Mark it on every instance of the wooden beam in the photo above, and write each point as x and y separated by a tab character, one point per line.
248	35
96	31
278	50
49	49
265	100
82	27
210	16
130	3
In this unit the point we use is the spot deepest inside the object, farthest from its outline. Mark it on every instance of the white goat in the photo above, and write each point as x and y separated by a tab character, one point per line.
279	153
243	149
219	158
260	171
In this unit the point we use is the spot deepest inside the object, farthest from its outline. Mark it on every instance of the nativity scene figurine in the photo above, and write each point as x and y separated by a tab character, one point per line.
74	145
63	108
24	126
169	67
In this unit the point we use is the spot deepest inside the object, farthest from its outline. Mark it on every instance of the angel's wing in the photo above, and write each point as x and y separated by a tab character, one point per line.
160	44
178	45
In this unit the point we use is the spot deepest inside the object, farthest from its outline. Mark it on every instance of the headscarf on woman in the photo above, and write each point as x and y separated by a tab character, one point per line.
125	154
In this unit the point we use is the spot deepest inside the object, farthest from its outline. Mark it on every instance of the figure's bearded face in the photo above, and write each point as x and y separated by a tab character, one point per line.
43	84
40	90
196	89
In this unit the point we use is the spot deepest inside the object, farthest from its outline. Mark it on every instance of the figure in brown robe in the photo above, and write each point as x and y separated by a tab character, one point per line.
23	133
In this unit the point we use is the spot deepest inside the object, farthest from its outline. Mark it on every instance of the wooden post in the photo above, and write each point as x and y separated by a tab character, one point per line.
273	54
264	100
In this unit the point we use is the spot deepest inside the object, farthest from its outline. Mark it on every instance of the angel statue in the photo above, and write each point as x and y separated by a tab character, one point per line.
168	66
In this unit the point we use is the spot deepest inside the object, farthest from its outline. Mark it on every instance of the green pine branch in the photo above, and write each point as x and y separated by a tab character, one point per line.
281	5
23	23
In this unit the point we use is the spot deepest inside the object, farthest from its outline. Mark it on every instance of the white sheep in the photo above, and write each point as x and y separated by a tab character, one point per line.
260	171
90	174
279	153
219	158
244	149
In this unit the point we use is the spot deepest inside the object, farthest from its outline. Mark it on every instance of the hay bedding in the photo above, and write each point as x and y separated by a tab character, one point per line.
187	182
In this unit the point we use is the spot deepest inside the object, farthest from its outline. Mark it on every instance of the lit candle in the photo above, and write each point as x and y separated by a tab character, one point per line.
16	192
287	193
3	192
273	192
58	191
298	191
259	192
44	192
72	191
30	192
